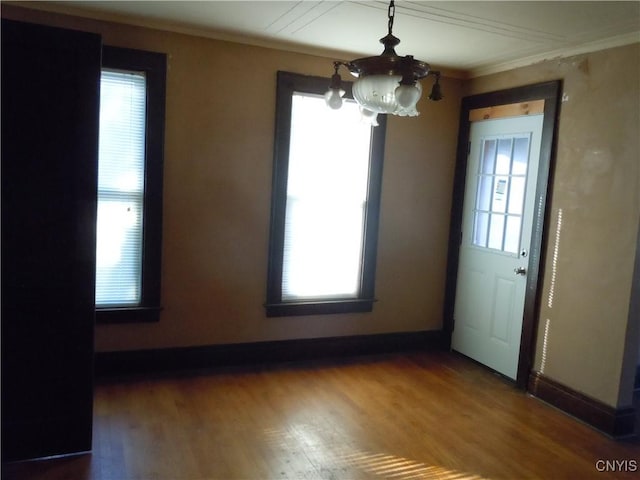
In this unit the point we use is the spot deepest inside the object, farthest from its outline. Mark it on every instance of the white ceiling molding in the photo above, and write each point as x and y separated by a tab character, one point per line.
461	38
612	42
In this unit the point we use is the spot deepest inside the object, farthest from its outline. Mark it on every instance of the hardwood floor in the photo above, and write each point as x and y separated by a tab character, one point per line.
413	416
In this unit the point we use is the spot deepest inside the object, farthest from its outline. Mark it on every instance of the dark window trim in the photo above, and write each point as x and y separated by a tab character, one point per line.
154	65
287	84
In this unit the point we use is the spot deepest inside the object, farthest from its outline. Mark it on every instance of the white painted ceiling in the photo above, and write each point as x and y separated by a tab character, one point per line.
473	37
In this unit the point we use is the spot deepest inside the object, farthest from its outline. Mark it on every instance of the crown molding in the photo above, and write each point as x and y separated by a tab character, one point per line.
588	47
71	10
466	73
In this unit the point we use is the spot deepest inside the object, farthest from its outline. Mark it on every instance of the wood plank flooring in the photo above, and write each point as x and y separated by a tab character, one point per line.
412	416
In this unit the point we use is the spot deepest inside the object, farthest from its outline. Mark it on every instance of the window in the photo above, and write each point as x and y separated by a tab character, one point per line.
326	199
501	187
130	159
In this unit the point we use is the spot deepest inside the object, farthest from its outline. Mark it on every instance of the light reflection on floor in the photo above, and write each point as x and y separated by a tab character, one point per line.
331	458
398	468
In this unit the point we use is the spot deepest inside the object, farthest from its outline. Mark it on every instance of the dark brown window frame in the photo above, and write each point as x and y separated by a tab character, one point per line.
287	84
154	65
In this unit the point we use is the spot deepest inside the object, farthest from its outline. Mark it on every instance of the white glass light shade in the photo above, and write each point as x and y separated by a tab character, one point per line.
407	96
378	94
333	98
369	117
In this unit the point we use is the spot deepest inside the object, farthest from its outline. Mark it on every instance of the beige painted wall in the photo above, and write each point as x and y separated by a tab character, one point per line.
218	162
582	329
218	158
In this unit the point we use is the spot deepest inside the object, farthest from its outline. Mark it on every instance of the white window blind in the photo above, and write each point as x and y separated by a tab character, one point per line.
326	200
121	163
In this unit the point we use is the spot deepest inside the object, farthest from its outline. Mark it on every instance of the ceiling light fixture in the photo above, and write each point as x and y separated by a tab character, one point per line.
387	83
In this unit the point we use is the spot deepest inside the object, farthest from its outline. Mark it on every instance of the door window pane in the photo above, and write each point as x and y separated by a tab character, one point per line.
484	192
512	234
520	156
481	229
496	231
488	157
500	194
516	195
503	159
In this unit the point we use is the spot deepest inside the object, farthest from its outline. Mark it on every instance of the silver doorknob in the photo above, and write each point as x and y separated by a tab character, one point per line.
520	271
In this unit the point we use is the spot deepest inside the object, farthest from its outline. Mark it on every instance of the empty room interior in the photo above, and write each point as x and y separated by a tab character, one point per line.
263	240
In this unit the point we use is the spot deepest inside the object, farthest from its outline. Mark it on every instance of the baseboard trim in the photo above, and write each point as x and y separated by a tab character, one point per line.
161	361
615	422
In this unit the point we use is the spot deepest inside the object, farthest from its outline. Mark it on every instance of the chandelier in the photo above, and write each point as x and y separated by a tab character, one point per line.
387	83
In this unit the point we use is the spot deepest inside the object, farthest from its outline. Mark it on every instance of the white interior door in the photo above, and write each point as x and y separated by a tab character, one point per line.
496	233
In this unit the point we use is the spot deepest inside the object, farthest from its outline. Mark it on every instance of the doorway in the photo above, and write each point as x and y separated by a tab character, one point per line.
496	235
505	104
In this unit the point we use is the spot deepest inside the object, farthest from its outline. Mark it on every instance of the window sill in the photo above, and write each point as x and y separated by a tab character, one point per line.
288	309
128	315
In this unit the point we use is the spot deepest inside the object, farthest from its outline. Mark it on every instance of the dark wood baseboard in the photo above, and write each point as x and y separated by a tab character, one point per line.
161	361
616	422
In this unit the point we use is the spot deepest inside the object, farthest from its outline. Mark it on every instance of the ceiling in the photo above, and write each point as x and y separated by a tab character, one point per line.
467	38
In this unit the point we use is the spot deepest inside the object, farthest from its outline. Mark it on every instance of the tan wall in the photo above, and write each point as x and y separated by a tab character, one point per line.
218	159
597	189
217	189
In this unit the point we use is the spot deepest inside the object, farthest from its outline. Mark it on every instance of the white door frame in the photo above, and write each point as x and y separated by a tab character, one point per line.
550	93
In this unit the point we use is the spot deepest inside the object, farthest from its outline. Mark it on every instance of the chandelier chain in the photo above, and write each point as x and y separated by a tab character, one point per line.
391	14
